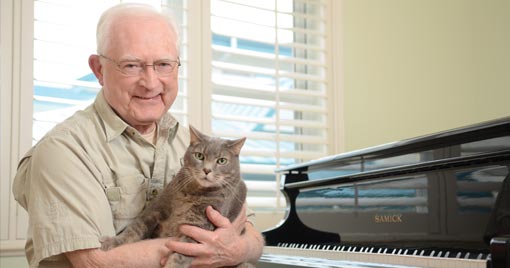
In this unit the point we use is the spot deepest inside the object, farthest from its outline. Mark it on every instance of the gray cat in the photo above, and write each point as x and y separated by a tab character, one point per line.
210	176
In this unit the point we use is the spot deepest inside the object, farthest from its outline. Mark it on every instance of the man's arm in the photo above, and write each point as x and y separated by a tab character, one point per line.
145	253
255	243
225	246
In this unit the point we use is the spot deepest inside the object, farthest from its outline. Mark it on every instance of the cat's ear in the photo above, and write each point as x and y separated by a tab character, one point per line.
236	145
195	135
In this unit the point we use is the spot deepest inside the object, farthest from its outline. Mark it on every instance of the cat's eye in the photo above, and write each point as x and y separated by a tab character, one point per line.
199	156
222	161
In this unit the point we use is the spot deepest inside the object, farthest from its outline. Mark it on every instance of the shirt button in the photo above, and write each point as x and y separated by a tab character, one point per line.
154	192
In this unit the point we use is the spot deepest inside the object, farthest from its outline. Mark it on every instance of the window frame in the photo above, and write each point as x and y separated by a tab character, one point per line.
16	113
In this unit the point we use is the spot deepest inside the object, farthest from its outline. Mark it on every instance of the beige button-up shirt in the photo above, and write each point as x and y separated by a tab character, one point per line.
89	177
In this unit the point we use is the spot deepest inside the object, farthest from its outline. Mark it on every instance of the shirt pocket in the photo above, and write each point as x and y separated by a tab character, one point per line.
127	199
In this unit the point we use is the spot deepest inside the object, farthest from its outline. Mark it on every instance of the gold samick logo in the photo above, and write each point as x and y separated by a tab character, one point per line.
388	218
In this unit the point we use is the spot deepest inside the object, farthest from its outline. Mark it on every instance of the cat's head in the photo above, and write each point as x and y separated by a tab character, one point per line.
213	161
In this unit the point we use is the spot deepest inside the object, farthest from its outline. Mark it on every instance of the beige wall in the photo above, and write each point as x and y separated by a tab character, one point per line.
413	67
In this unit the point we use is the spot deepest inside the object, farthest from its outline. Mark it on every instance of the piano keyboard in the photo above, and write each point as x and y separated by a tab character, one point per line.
367	256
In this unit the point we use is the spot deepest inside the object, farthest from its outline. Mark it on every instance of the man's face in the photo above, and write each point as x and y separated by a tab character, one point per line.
140	100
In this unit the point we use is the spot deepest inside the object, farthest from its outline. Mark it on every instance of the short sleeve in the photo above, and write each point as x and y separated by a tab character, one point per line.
67	204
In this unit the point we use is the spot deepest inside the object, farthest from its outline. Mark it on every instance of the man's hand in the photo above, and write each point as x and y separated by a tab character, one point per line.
224	246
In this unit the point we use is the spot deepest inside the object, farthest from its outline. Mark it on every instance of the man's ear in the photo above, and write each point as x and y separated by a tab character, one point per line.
96	67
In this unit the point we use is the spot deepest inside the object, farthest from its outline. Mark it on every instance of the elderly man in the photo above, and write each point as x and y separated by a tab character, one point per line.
93	173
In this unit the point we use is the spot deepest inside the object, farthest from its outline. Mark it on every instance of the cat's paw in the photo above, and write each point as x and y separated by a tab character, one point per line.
108	242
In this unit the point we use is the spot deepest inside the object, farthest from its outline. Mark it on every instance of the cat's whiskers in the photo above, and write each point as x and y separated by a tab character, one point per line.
232	188
183	183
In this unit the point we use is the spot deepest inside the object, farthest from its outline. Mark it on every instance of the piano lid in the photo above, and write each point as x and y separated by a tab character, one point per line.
490	132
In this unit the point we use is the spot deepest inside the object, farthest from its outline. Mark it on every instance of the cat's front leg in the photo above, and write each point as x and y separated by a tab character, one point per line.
141	228
132	233
108	242
129	235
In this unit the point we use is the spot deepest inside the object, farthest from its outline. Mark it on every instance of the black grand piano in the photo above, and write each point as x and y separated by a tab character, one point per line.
440	200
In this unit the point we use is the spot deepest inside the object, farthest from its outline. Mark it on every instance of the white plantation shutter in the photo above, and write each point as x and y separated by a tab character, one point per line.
269	84
63	40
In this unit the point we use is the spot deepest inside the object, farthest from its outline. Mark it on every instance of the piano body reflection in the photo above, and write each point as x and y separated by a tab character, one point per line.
440	200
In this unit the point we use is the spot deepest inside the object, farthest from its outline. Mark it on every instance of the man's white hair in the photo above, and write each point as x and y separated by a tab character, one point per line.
130	9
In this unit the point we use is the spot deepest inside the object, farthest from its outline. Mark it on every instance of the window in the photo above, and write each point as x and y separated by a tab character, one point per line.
268	82
267	77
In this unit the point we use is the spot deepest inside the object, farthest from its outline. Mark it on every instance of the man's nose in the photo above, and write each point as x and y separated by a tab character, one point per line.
149	76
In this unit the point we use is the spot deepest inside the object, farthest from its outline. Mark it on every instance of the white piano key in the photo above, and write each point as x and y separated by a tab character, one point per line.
378	259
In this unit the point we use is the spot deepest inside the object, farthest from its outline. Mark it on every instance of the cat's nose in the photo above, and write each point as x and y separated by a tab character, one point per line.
207	170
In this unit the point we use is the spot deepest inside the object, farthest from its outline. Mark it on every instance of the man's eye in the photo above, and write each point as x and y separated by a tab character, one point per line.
164	64
222	161
131	65
199	156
